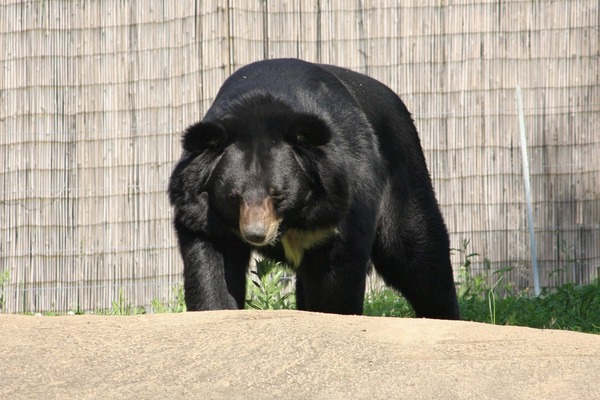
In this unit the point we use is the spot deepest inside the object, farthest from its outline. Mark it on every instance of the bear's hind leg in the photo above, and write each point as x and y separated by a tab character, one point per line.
419	267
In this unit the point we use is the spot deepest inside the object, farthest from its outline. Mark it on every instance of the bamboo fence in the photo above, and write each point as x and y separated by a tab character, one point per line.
94	94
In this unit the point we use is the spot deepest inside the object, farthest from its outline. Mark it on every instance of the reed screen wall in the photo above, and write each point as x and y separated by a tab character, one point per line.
94	94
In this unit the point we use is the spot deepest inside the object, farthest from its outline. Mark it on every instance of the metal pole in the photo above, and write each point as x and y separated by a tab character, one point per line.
532	241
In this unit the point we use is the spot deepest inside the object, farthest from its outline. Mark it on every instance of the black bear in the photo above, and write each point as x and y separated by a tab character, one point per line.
317	166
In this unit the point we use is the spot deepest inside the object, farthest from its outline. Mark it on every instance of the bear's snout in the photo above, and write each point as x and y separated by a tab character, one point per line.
258	222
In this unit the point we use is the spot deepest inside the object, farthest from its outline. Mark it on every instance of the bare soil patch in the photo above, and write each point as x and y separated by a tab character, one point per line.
291	355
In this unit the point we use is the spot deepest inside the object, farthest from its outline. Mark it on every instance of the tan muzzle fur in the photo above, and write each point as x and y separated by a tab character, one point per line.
258	222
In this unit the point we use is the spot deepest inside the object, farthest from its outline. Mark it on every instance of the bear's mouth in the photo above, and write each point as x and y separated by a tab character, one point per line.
259	225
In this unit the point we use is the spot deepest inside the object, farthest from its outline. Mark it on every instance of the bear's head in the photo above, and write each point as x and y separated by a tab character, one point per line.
268	168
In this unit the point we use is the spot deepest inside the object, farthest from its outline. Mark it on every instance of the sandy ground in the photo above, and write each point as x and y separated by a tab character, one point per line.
290	355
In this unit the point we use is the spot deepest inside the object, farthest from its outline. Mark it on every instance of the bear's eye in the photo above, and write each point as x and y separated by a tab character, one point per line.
211	145
276	195
300	137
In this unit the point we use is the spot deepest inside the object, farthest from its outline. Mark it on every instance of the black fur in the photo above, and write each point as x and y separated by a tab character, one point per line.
292	155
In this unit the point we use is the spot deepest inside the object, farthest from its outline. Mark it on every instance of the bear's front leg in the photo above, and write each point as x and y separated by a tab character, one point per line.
214	274
332	276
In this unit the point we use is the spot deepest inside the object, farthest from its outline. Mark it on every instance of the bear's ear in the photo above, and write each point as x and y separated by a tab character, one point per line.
308	129
202	136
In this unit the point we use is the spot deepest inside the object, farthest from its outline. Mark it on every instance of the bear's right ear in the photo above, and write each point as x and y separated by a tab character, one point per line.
202	136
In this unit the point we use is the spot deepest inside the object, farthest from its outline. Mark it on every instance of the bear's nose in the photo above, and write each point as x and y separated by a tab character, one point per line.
255	233
258	222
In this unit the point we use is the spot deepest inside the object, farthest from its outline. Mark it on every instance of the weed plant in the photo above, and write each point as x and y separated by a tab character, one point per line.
266	288
569	307
175	304
4	279
121	306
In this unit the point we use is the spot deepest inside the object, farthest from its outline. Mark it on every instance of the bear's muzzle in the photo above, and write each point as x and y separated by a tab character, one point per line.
258	223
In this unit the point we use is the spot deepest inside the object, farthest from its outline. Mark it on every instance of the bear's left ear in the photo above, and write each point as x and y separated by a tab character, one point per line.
202	136
307	129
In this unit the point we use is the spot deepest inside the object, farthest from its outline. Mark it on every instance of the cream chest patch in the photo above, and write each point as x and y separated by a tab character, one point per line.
296	242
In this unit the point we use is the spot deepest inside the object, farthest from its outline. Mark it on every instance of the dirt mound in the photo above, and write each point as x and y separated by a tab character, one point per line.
292	355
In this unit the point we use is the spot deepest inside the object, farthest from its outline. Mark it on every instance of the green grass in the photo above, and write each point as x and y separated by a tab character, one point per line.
568	307
175	304
387	303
